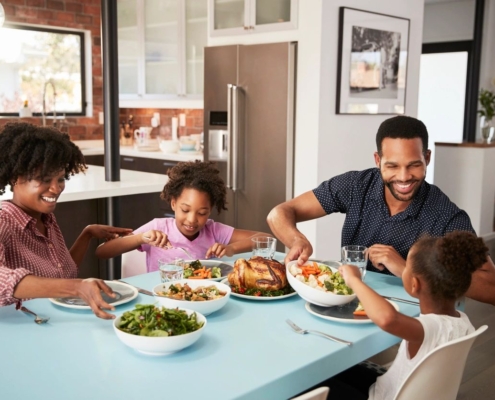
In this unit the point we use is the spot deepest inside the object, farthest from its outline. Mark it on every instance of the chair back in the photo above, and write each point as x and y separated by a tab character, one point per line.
133	263
320	393
438	375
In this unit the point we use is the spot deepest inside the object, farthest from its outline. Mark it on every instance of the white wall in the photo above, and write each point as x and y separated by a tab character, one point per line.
328	144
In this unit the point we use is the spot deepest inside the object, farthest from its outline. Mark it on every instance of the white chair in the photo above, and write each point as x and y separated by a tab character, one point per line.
133	263
438	375
320	393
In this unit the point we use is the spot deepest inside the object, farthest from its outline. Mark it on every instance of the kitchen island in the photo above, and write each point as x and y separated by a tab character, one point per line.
83	203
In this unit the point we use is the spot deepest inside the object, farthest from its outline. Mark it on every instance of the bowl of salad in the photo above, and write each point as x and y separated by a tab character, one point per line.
157	330
319	284
203	296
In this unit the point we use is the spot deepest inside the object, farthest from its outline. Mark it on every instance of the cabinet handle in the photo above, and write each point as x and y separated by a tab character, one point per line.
168	164
128	159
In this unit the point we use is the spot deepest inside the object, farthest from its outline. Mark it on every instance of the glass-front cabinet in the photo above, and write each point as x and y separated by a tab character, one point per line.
235	17
161	47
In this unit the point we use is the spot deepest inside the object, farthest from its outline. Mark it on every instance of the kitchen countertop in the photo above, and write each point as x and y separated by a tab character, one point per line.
95	147
92	185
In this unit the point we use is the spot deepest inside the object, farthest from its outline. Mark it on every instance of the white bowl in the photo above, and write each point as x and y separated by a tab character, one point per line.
203	307
314	296
169	146
160	346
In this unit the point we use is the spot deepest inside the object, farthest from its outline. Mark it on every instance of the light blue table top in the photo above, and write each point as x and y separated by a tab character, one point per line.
247	351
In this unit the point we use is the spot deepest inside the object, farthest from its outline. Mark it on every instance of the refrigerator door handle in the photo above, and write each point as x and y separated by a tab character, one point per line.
235	137
229	135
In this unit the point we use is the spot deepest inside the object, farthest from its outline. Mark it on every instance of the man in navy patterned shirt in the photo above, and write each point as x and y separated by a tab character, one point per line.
387	208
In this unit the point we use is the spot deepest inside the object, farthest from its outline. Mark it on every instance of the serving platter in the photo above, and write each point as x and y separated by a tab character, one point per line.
124	294
343	314
225	268
257	298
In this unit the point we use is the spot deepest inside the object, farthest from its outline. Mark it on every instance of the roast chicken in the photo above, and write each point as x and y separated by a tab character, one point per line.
259	273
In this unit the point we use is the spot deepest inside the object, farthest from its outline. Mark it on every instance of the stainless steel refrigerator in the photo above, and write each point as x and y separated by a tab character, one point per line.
249	99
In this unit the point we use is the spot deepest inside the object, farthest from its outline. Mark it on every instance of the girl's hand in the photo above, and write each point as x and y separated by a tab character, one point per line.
219	250
350	273
156	238
106	232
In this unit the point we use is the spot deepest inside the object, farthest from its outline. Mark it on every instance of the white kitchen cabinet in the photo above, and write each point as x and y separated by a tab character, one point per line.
240	17
161	52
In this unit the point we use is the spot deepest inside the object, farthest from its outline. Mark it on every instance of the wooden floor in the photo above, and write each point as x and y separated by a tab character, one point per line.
478	381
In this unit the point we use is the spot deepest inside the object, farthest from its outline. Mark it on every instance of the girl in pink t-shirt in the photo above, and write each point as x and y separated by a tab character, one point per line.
194	189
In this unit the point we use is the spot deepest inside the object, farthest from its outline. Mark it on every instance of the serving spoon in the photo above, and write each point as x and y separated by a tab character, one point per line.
38	319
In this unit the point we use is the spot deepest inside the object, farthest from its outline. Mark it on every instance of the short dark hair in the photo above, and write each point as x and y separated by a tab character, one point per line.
36	152
447	263
200	175
401	127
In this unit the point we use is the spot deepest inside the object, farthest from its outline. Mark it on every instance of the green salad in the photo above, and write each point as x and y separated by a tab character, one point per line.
149	320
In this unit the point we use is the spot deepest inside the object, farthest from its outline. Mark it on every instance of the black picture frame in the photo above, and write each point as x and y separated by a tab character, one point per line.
373	54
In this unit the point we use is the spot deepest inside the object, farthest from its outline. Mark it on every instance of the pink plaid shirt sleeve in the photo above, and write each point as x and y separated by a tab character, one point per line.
24	250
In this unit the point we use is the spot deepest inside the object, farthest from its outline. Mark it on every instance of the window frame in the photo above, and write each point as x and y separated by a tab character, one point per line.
81	35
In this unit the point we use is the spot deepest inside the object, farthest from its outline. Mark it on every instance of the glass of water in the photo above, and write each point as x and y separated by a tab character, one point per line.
171	270
356	255
264	246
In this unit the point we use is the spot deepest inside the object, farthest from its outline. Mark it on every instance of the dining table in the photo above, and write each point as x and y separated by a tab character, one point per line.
247	350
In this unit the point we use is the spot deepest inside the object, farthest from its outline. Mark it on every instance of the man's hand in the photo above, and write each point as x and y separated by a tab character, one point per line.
382	256
90	291
300	250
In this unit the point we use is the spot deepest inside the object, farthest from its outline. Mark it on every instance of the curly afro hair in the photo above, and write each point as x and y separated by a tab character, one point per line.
447	263
32	151
401	127
202	176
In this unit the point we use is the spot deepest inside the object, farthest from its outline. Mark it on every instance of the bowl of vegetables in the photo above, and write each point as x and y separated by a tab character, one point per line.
203	296
159	331
319	284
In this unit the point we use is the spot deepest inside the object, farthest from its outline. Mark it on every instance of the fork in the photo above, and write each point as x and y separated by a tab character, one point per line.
326	335
184	250
38	319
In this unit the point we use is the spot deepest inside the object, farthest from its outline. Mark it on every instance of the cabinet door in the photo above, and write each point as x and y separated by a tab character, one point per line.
228	17
128	46
196	22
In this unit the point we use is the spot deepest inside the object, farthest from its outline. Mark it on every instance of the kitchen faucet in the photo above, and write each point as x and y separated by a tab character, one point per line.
43	112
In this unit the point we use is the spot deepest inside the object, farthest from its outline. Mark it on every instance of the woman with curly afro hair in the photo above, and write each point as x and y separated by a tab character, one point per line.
34	260
193	189
438	272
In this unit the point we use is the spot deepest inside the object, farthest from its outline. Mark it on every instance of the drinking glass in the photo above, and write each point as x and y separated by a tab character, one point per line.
356	255
264	246
171	270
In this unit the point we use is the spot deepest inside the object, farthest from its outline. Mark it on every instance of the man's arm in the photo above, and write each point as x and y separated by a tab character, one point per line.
483	283
283	218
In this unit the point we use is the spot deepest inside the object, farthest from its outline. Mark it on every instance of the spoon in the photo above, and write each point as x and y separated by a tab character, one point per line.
39	319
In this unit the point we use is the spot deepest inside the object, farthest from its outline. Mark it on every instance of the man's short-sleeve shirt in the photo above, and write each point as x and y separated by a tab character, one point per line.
360	195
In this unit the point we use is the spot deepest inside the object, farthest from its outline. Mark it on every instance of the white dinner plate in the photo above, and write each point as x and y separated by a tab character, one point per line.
343	314
258	298
225	268
124	292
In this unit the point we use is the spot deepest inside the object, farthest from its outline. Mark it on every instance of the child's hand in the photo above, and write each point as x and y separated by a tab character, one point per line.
219	250
155	238
350	273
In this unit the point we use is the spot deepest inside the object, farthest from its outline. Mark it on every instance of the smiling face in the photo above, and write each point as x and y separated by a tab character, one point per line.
39	196
403	168
192	210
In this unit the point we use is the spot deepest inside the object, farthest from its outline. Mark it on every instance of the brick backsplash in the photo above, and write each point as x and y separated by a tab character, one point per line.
86	15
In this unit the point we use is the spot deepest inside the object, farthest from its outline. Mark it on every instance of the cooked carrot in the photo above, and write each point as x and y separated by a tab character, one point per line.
361	313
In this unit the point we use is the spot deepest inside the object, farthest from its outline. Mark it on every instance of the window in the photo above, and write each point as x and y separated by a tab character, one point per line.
38	60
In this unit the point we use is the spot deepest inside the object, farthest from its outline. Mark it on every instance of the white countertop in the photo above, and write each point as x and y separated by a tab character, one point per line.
95	147
92	185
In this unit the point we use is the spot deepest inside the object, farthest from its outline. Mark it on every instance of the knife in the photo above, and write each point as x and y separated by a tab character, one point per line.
416	303
143	291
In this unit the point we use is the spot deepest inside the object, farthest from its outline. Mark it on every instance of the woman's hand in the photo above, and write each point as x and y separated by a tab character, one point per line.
219	250
106	232
156	238
90	291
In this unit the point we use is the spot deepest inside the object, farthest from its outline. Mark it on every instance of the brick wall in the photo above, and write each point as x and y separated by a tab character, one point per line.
86	15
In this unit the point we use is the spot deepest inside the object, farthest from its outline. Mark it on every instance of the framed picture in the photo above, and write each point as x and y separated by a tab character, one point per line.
372	63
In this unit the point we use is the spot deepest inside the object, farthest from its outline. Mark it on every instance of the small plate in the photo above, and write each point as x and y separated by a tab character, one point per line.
258	298
124	292
225	268
343	314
